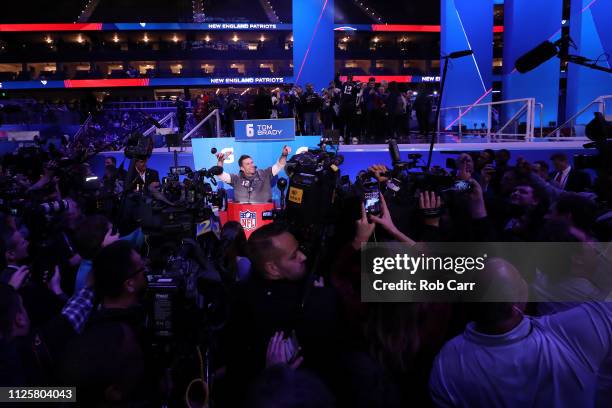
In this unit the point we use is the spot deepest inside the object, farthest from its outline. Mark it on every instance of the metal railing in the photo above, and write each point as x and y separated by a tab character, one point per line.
571	122
136	105
214	113
527	108
82	128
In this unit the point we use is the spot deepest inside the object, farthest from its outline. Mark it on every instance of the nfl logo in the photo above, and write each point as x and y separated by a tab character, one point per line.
248	220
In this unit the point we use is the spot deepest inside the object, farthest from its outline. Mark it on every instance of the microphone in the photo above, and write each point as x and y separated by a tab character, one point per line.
282	185
153	121
536	57
459	54
394	151
213	150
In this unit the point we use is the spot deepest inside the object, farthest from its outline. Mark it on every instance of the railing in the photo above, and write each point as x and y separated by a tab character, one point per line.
88	11
193	131
269	10
493	131
572	124
82	128
143	105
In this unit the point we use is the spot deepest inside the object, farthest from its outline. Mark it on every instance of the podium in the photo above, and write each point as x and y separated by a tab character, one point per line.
249	215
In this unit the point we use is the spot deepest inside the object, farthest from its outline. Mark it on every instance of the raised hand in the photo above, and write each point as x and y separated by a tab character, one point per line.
364	229
378	170
286	151
281	351
18	277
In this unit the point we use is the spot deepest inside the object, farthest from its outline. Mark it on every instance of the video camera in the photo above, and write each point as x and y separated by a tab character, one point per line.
138	146
411	178
313	179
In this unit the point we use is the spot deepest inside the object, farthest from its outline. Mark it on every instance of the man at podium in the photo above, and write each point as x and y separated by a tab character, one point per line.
252	185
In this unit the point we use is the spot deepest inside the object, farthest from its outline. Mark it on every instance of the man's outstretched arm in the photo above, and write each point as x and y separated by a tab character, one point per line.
282	160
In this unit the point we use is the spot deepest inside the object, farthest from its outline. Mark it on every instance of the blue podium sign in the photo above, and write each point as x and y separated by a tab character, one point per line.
264	129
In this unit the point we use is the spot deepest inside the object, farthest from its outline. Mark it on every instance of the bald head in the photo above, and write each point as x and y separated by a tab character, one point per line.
500	281
502	293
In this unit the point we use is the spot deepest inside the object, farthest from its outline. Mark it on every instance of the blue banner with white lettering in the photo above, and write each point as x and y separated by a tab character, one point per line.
264	129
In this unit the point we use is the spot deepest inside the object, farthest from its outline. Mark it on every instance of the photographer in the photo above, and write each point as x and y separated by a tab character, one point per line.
279	298
37	281
118	376
252	185
15	254
93	234
29	353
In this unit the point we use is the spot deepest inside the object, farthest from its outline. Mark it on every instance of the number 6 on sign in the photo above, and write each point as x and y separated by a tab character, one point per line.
249	130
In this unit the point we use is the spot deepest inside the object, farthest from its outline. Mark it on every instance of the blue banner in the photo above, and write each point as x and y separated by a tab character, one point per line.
591	30
197	26
264	129
527	24
313	45
467	25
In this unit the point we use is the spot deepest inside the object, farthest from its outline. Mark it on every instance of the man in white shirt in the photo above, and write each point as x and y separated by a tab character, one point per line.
506	359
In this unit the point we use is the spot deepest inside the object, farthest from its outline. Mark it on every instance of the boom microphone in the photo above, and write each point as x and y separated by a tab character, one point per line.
536	57
152	121
394	151
459	54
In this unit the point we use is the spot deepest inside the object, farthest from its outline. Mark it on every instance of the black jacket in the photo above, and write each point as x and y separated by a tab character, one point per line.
151	176
263	307
577	181
31	360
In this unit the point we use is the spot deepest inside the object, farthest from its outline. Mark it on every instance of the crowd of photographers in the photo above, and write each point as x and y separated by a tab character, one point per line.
72	308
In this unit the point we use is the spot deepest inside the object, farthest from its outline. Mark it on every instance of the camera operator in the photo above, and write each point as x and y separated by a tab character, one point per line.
147	181
47	186
280	297
145	177
110	163
252	185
